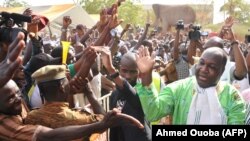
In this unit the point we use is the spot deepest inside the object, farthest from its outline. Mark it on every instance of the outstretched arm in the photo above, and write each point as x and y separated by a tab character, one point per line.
87	34
111	119
240	62
66	22
12	61
83	85
154	105
143	37
176	45
191	52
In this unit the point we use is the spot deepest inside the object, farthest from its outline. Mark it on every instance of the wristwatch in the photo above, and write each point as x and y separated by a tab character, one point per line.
234	42
64	29
114	75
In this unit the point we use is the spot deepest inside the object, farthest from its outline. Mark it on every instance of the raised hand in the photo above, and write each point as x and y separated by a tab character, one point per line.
106	58
125	29
86	61
226	31
113	21
27	12
116	118
66	21
103	20
12	61
144	61
77	84
33	26
107	84
229	22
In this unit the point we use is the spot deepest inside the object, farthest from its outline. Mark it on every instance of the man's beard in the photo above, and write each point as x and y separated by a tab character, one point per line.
132	83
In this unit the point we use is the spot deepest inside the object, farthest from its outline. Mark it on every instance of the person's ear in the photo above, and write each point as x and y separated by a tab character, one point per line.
42	97
61	89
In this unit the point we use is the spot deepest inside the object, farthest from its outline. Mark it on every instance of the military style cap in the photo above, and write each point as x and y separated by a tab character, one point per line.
49	73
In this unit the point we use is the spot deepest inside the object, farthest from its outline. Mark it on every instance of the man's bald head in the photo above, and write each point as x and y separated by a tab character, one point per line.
214	42
128	68
129	59
217	52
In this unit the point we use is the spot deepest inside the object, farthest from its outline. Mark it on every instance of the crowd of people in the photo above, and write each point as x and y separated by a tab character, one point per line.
153	78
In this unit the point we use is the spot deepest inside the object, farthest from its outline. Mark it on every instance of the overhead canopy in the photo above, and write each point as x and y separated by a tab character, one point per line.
55	14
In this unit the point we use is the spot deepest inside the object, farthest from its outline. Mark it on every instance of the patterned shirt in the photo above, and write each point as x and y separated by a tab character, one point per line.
58	114
182	68
13	129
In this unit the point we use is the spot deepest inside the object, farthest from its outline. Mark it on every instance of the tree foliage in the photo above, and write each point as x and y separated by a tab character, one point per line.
14	3
239	9
94	6
128	11
131	13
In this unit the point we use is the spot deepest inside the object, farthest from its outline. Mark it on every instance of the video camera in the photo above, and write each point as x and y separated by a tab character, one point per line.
194	33
247	37
180	25
7	22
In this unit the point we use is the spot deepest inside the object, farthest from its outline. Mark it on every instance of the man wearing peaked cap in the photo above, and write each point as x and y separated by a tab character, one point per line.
49	73
52	83
54	88
36	62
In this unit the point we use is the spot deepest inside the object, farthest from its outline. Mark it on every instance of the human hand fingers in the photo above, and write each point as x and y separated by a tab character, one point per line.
16	47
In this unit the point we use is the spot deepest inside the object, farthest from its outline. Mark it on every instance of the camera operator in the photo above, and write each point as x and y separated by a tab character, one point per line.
178	63
35	46
194	36
194	33
10	26
234	71
179	54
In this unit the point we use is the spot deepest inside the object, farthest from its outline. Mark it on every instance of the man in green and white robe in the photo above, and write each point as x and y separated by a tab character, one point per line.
202	99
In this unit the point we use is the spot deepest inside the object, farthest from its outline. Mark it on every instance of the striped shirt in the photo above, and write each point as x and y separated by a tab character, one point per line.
13	129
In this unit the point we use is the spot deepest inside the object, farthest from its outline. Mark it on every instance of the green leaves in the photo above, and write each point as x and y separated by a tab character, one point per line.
128	11
15	3
239	9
